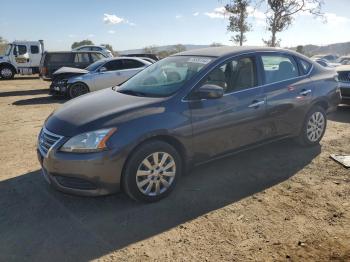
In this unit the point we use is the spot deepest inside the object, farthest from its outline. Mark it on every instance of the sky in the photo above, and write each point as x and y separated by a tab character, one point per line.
135	24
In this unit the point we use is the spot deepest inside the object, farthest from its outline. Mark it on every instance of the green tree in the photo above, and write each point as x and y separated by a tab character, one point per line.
280	15
300	49
81	43
238	20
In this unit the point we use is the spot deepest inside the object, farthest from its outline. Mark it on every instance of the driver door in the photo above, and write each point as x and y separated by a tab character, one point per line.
108	75
20	56
234	120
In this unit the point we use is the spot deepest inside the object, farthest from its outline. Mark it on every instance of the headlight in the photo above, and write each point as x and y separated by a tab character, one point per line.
94	141
62	82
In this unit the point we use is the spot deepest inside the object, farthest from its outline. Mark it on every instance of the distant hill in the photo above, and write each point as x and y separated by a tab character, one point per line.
161	48
336	49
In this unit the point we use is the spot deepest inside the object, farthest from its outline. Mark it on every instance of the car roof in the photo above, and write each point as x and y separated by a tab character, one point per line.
123	57
229	50
73	51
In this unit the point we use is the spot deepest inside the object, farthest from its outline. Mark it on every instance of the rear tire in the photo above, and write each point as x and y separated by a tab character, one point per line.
152	171
314	127
77	89
7	73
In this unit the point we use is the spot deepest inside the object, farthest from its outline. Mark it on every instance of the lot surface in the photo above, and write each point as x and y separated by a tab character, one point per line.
276	203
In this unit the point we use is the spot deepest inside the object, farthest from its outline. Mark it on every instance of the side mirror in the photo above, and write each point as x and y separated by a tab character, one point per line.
208	91
102	69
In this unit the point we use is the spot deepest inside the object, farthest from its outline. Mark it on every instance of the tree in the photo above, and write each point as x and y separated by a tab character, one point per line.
214	44
300	49
81	43
178	48
238	20
3	45
152	49
280	15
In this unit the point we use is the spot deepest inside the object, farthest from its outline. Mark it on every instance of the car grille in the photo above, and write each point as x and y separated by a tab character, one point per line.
344	76
47	140
74	182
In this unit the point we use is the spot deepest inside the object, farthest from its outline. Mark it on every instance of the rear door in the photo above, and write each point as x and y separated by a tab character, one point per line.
288	92
130	68
235	120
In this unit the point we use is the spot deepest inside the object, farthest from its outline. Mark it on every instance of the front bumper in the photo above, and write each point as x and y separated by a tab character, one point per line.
58	89
91	174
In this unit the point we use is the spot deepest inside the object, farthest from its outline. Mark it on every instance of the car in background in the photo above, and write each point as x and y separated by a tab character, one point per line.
182	111
148	59
344	60
73	82
95	48
52	61
344	82
329	57
152	56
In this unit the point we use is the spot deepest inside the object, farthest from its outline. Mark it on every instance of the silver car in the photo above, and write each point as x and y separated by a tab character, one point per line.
73	82
102	49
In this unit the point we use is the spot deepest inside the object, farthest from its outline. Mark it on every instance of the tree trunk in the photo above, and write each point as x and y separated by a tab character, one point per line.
241	39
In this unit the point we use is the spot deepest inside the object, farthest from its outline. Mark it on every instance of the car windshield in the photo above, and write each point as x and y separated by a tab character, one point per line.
8	50
165	77
95	65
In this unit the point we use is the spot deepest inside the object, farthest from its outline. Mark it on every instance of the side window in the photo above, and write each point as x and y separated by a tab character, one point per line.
278	68
95	57
82	58
239	74
22	49
114	65
305	66
34	49
129	63
59	57
95	48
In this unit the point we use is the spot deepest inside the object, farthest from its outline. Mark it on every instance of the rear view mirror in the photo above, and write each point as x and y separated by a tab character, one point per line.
102	69
208	91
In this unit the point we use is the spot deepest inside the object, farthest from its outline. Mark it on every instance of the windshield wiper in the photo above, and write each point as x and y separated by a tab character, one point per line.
132	92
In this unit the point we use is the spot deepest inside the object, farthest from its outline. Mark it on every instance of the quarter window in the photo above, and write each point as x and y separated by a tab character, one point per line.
239	74
305	66
34	49
278	68
129	64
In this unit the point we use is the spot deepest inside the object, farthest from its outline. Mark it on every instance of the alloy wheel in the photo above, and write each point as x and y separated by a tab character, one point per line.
156	173
315	126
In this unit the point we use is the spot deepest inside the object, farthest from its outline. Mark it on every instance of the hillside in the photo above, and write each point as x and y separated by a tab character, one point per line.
338	49
162	48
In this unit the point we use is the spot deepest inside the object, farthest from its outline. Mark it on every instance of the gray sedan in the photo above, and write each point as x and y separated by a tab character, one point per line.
104	73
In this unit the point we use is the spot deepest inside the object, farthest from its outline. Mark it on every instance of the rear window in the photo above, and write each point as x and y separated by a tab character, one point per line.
59	58
82	58
96	56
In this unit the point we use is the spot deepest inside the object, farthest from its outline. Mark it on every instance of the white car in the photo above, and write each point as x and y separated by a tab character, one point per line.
104	73
101	49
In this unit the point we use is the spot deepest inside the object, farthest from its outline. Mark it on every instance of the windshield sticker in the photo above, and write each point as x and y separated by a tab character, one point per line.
198	60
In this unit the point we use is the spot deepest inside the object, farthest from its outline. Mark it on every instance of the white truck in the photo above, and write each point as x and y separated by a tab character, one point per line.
21	57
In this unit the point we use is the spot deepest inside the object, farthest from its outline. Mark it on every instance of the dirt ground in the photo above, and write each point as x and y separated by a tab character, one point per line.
276	203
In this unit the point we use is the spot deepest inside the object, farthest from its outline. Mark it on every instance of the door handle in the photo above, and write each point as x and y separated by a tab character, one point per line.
256	104
305	92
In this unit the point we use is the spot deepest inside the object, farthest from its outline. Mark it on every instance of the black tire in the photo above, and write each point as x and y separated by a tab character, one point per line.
6	72
304	137
135	163
77	89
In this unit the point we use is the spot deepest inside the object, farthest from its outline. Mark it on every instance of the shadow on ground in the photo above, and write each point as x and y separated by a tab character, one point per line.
25	92
39	101
37	222
341	115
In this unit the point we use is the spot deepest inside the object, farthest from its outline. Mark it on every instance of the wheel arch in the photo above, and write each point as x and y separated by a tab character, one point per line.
171	140
9	65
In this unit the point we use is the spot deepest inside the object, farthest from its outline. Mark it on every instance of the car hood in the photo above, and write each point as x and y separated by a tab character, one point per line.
98	110
343	68
70	70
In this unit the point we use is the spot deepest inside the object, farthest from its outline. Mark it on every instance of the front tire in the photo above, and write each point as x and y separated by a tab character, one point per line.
152	171
77	89
314	127
6	73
